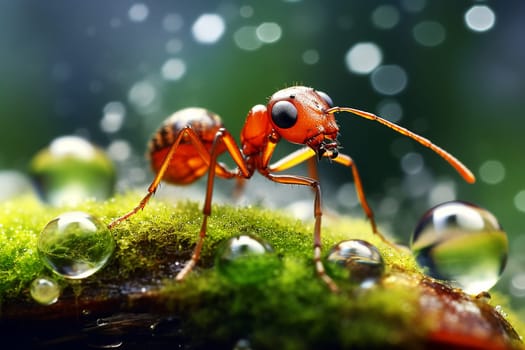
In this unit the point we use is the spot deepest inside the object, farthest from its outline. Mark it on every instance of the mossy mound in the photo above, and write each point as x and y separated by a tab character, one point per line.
135	301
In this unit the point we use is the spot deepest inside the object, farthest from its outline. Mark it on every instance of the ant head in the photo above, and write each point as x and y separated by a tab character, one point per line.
298	114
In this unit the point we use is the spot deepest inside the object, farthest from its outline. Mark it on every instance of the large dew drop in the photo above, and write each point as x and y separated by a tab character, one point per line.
75	245
360	259
246	259
461	243
71	170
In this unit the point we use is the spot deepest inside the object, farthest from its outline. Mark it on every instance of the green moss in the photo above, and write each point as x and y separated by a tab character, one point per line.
291	310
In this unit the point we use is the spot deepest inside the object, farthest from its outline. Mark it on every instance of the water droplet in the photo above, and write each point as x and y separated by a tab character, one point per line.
363	58
72	170
208	28
361	259
480	18
246	260
461	243
75	245
45	290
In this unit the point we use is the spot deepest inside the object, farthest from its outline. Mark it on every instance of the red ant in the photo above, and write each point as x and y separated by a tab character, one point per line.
189	142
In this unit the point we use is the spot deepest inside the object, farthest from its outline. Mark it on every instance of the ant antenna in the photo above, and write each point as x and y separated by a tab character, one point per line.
453	161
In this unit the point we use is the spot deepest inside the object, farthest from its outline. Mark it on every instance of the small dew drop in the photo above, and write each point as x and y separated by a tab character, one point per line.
429	33
246	259
363	58
480	18
138	12
173	69
461	243
385	17
75	245
45	291
389	79
310	56
492	172
208	28
361	259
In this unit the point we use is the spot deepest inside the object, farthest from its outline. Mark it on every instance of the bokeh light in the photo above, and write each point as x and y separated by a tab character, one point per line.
363	58
480	18
208	28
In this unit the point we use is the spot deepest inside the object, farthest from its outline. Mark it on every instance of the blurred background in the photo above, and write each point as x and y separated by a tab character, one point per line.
451	71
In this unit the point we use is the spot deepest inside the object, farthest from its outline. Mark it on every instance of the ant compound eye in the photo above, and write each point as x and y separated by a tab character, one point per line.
284	114
326	98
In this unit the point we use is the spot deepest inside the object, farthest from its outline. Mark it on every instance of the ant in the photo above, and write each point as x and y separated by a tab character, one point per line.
188	143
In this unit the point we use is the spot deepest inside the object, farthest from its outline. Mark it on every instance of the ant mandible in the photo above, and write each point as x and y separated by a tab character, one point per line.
189	142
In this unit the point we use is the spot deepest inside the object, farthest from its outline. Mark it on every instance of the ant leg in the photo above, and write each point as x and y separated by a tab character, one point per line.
307	154
348	162
314	184
226	138
165	164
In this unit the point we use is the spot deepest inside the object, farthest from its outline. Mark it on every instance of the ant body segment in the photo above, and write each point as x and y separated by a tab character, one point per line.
187	146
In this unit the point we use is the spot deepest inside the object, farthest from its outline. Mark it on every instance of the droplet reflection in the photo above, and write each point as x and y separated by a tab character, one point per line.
361	259
246	259
461	243
45	290
75	245
72	170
